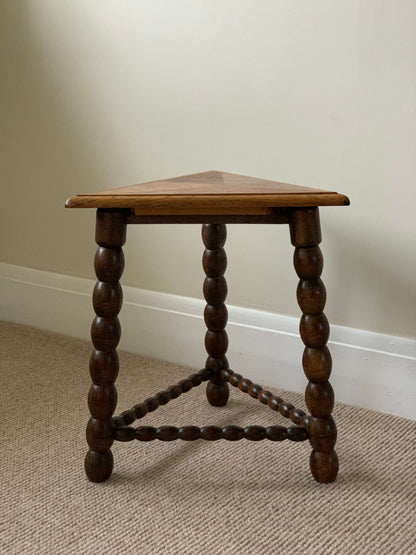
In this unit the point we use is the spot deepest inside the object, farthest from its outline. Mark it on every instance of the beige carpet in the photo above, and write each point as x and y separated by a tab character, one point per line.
186	498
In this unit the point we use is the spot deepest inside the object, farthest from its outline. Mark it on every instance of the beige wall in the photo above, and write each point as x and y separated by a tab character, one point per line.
102	93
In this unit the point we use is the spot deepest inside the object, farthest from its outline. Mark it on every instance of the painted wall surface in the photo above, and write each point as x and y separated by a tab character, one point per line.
109	93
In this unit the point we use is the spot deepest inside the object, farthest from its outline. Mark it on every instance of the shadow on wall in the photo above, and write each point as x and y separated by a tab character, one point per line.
53	146
386	298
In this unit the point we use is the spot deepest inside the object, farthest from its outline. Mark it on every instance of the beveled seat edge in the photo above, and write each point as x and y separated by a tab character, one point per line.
207	204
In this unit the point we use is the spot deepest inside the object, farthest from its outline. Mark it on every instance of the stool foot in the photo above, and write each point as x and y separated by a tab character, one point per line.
324	466
217	394
99	465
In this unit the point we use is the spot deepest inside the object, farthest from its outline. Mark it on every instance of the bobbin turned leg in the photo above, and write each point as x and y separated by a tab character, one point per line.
215	291
105	333
314	330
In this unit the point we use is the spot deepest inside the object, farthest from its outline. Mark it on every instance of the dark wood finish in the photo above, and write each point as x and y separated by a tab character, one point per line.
211	433
162	398
105	334
265	397
214	262
305	227
214	199
314	330
277	216
210	193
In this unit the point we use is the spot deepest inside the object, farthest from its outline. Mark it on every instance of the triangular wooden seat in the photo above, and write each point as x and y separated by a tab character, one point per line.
211	192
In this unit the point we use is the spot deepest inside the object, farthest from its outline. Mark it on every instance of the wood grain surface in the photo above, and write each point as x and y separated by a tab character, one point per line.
211	192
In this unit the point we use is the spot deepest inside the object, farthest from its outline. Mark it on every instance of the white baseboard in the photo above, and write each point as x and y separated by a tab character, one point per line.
370	370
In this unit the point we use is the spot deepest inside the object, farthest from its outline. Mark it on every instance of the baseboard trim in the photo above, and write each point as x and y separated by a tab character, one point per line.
371	370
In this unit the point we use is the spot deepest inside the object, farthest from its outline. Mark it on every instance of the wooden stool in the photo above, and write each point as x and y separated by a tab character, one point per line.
214	199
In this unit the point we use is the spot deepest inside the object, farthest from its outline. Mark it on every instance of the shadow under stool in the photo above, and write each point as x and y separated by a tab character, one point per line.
212	199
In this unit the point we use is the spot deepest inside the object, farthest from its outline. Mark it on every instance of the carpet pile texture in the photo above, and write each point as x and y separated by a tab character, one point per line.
179	497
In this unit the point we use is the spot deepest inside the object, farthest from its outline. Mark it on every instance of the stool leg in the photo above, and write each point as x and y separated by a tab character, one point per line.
214	263
105	334
314	330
